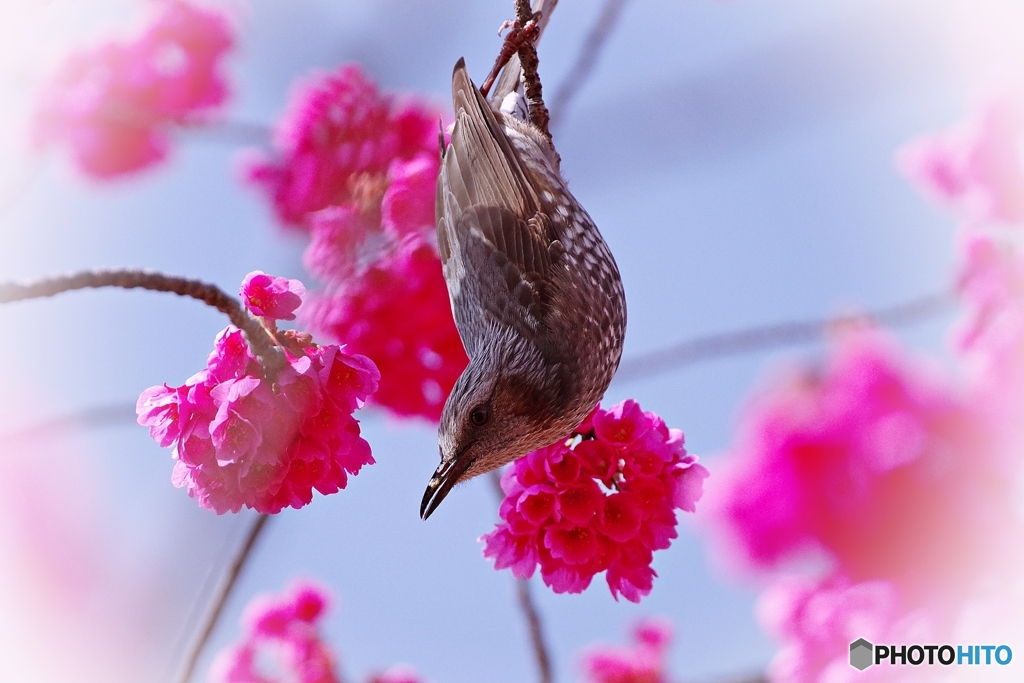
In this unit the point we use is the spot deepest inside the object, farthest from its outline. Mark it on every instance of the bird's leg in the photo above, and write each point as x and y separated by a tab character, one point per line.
522	34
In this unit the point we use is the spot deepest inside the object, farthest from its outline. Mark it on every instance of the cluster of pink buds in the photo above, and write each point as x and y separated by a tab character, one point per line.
357	171
643	662
602	501
281	641
241	439
115	106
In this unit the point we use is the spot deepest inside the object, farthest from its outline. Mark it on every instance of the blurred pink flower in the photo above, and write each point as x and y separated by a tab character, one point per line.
399	315
816	620
603	500
871	465
337	233
275	298
238	440
336	142
359	173
408	203
114	106
397	674
643	662
281	641
974	169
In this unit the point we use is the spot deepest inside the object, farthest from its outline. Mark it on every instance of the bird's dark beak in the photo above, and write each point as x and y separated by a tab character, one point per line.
445	477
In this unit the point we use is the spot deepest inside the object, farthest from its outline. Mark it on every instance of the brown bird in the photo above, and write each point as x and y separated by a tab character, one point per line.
536	294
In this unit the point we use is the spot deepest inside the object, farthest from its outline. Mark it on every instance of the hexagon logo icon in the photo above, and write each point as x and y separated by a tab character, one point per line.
860	654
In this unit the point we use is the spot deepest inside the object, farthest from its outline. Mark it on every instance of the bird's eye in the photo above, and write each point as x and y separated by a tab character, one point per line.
479	415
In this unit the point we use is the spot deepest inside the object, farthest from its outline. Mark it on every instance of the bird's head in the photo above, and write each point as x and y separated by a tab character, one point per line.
494	414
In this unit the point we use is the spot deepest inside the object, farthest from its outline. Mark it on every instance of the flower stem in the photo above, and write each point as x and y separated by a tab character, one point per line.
221	599
260	342
530	614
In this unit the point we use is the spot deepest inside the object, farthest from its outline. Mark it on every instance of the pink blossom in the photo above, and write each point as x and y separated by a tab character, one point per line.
872	465
397	674
408	203
816	620
239	440
114	106
281	641
399	315
336	142
643	662
601	501
974	168
337	234
274	298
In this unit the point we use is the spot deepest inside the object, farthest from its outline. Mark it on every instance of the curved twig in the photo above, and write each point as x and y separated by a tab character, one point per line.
257	336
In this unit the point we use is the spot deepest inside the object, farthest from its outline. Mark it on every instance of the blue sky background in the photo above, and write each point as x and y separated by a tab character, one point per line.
737	155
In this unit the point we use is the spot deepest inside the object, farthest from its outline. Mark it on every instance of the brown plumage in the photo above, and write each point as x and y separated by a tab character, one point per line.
535	292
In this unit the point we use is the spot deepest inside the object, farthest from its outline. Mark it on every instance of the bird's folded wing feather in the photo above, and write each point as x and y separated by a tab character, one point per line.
495	243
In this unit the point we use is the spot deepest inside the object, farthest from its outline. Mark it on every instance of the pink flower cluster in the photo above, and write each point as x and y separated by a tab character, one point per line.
817	619
398	314
357	171
114	106
281	642
974	169
337	139
644	662
604	500
861	465
241	440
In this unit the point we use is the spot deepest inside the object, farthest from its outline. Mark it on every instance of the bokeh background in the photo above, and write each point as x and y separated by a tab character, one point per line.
738	157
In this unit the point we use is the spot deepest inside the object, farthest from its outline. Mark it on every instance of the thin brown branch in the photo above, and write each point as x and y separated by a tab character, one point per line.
531	80
259	339
540	649
511	74
775	336
541	653
221	599
587	58
93	417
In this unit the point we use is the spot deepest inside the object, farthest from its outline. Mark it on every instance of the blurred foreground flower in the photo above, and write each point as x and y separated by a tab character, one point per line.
281	641
115	106
357	170
644	662
816	620
870	466
604	500
974	168
240	439
877	485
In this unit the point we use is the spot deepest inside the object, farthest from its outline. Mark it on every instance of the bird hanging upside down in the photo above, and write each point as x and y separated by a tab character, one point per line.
536	294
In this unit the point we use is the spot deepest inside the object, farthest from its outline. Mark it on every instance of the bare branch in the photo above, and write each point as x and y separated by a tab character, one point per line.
774	336
221	599
259	339
541	653
531	79
587	58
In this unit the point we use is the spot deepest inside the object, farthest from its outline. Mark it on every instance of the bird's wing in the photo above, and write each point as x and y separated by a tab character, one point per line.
497	247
